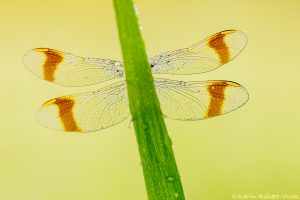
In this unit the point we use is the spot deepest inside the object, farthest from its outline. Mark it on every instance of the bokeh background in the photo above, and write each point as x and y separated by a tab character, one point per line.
254	150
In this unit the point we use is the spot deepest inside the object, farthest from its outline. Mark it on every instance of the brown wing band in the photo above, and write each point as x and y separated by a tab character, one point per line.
217	43
65	106
216	92
53	58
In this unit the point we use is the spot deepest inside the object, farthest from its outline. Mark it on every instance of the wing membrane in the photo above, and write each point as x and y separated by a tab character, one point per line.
108	106
86	112
199	100
204	56
70	70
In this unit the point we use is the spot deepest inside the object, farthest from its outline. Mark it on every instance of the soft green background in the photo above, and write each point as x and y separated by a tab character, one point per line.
252	150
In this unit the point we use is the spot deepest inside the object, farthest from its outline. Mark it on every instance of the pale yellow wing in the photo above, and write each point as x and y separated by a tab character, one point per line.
86	112
199	100
70	70
204	56
108	106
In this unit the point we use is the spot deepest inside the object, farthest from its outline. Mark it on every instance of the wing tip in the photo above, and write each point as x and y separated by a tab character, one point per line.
222	93
244	94
235	34
32	52
27	57
241	36
58	114
237	85
33	60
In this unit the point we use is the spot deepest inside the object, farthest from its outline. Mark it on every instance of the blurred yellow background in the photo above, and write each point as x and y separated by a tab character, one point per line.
254	150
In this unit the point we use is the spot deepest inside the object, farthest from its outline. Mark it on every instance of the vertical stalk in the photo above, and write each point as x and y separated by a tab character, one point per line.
159	166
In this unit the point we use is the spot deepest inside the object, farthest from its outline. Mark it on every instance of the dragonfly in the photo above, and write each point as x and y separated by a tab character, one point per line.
108	106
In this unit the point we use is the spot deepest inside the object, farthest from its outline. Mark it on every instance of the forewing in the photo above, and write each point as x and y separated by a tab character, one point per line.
204	56
70	70
199	100
86	112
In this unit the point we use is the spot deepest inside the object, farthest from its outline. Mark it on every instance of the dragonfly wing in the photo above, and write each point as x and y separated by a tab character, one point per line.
204	56
86	112
199	100
70	70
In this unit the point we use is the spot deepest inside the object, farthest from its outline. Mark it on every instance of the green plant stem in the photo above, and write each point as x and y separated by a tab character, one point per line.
155	147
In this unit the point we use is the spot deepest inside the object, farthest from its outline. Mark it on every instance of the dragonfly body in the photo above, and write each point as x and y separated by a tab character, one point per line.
108	106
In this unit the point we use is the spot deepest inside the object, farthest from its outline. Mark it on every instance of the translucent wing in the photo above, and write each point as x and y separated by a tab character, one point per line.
204	56
70	70
199	100
87	111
